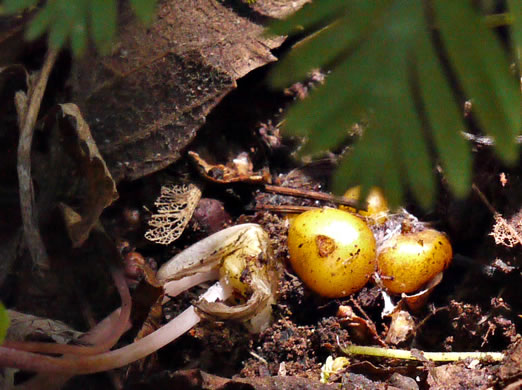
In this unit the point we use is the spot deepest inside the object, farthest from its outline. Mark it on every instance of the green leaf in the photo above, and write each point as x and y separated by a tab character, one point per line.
44	19
103	15
385	91
515	8
73	21
4	322
385	71
445	118
482	68
66	13
323	47
144	9
308	16
14	6
316	115
79	36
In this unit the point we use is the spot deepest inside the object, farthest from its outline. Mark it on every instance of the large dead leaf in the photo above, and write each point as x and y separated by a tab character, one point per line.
146	101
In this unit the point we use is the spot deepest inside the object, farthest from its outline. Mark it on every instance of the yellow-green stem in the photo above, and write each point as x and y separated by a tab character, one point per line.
409	355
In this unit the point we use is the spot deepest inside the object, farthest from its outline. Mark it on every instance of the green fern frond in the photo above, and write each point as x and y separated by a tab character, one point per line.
76	21
385	67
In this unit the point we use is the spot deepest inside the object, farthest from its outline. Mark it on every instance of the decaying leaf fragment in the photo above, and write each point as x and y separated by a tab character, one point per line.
176	204
29	327
72	174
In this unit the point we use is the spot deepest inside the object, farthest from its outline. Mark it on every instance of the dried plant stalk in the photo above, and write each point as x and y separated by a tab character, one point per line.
175	205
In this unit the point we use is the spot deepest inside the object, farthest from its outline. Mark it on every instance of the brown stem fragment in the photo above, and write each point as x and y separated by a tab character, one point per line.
313	195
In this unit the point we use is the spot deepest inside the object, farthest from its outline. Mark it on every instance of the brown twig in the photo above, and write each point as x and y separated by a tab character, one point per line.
314	195
284	208
484	199
29	218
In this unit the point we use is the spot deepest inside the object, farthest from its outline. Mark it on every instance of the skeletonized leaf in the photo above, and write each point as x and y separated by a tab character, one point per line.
176	204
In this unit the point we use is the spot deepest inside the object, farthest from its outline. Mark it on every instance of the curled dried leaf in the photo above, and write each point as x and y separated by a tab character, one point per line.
175	205
240	170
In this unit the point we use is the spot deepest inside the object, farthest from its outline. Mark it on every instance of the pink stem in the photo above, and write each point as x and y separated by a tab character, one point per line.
96	335
118	358
113	333
176	287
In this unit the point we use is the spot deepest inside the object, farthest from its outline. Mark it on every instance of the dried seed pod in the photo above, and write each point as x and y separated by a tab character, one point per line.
407	261
332	251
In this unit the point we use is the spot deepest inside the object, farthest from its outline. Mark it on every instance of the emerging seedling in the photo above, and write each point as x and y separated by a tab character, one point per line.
249	247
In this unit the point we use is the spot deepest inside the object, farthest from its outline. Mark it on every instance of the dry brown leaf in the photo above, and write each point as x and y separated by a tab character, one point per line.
72	174
148	98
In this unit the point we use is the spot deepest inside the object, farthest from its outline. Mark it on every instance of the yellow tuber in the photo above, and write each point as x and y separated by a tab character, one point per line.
332	251
377	205
407	261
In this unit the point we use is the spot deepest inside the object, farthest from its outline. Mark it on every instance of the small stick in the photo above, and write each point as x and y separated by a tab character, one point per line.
285	208
484	199
418	355
32	235
314	195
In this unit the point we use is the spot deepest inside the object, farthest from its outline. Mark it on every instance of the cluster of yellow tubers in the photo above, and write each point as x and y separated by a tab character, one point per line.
335	252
